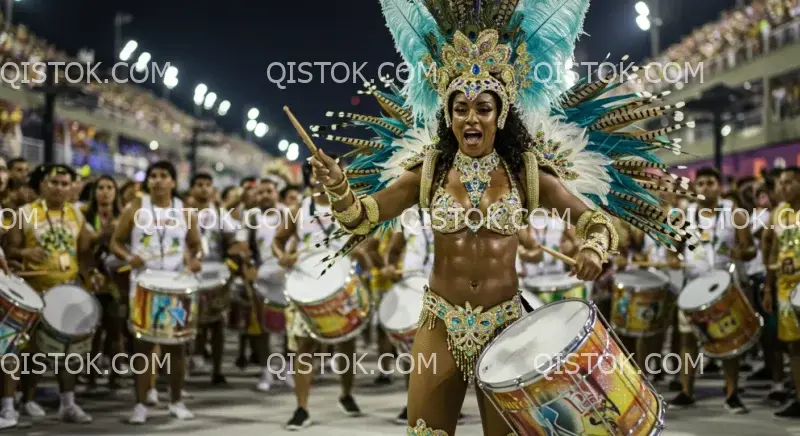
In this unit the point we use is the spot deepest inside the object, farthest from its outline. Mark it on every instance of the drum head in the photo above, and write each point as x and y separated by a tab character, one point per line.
552	282
704	290
639	279
273	293
71	310
213	275
304	283
401	306
796	296
526	349
171	282
15	290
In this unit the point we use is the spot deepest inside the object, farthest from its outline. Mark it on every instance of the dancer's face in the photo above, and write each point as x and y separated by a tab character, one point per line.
475	123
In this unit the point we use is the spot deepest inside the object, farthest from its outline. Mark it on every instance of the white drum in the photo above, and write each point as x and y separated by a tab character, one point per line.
71	316
560	370
20	310
400	308
336	306
213	295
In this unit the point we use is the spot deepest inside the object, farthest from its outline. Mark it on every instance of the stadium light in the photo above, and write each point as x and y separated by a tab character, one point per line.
293	148
141	63
261	130
643	22
283	145
198	99
726	130
128	50
201	90
153	145
251	125
642	9
224	107
211	98
252	114
170	82
293	154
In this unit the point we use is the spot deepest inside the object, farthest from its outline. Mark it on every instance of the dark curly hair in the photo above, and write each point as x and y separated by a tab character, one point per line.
510	142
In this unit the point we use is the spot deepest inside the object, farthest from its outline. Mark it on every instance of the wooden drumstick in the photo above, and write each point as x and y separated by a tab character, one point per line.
33	273
301	131
558	255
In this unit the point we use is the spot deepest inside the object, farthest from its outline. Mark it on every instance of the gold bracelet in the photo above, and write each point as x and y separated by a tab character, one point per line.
370	220
594	245
334	197
591	218
349	215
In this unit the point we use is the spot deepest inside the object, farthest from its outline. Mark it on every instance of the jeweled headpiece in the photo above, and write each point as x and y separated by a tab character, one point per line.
476	46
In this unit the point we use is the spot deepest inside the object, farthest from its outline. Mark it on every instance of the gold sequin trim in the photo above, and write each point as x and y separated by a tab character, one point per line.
428	168
422	429
532	179
468	329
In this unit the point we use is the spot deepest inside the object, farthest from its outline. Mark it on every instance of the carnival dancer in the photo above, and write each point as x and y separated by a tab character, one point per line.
725	239
784	274
168	240
496	151
217	235
101	212
58	241
312	228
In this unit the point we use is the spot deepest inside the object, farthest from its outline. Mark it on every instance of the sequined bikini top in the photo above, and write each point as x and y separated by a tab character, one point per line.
505	216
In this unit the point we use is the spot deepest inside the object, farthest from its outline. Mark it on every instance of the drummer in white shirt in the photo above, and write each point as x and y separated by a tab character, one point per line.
725	238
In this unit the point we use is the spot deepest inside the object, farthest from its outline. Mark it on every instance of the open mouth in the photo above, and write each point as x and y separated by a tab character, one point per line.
472	137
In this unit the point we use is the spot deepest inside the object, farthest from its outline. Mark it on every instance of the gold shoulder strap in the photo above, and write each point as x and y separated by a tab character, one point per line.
531	180
428	168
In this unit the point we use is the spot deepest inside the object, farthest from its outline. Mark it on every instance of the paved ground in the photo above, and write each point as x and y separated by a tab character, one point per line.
239	410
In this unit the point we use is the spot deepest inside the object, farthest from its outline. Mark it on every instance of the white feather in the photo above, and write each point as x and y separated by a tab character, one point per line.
590	166
412	143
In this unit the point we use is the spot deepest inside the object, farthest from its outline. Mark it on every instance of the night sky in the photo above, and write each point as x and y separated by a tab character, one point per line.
228	45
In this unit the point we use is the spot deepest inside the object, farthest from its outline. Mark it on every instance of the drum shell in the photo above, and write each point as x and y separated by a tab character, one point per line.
16	318
212	304
141	319
569	386
712	324
558	293
273	317
628	304
340	316
50	340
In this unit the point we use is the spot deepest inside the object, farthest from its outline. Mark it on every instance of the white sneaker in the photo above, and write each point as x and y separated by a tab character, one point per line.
198	364
263	386
186	395
139	415
8	418
33	409
152	397
75	414
180	411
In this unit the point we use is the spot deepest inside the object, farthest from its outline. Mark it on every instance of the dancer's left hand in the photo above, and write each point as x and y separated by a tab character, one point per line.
588	266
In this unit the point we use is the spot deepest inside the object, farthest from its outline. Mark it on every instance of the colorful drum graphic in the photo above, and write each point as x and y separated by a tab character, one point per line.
555	287
561	371
20	310
163	307
640	303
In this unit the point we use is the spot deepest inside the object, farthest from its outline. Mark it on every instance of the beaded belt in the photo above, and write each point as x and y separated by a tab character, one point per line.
468	329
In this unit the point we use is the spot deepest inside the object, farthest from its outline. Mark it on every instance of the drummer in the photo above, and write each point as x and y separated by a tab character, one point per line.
101	212
784	274
175	246
216	234
724	239
265	219
311	228
58	241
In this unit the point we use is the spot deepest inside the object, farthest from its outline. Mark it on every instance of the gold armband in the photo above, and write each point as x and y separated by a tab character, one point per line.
371	219
349	215
591	218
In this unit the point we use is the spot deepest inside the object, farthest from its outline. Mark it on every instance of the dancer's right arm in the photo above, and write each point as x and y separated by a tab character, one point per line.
386	204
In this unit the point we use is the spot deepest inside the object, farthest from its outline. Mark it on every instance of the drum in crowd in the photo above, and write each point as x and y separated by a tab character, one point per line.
724	321
163	307
70	318
562	370
555	287
273	304
641	303
400	308
20	311
336	306
213	296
